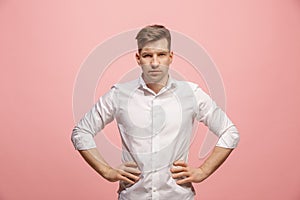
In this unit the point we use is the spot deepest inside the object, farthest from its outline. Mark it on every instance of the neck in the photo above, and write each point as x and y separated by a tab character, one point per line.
155	87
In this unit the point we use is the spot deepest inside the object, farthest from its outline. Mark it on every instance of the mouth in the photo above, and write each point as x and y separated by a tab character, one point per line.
154	71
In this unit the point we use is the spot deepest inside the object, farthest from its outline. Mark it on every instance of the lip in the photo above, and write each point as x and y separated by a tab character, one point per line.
154	71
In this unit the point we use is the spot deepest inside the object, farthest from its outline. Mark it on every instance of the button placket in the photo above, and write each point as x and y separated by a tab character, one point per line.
155	146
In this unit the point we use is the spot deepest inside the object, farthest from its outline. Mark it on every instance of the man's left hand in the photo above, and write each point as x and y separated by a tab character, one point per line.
187	174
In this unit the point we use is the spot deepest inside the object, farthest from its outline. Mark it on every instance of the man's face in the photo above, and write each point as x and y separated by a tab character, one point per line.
154	60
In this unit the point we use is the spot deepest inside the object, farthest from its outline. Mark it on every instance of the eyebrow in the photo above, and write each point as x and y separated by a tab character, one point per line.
150	52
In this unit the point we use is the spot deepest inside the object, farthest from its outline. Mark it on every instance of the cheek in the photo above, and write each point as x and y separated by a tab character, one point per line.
165	68
167	60
144	68
143	61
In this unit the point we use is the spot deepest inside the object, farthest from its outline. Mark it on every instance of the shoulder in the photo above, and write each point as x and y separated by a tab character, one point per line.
192	89
129	85
187	84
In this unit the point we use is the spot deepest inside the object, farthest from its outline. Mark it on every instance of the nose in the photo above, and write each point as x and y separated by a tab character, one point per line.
154	61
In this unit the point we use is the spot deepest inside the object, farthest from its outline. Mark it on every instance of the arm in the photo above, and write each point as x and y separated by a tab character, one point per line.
211	164
218	122
83	134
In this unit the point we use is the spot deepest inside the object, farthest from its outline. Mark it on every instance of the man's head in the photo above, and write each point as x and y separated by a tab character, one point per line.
154	55
152	33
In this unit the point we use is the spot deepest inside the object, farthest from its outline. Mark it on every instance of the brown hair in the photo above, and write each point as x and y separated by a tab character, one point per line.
152	33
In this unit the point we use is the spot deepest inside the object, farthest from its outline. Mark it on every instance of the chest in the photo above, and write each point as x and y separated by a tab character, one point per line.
142	110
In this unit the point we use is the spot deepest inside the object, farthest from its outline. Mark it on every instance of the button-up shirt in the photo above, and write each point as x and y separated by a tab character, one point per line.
156	130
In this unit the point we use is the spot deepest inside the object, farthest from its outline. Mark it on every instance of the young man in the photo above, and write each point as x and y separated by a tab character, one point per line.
155	116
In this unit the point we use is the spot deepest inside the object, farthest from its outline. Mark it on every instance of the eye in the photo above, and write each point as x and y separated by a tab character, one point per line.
162	54
146	55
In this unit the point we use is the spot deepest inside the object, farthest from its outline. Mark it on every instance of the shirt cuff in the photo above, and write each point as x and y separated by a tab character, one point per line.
229	139
83	142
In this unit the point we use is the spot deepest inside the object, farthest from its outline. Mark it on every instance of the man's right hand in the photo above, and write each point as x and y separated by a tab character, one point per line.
127	172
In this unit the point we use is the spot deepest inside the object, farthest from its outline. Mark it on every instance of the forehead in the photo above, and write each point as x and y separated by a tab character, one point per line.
159	45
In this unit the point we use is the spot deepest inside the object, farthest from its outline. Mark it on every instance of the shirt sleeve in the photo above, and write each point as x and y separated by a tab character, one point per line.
94	121
216	120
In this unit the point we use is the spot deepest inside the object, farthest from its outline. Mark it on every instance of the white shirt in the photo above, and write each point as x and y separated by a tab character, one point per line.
156	130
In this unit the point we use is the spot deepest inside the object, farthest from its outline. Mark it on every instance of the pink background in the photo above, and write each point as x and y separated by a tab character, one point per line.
255	45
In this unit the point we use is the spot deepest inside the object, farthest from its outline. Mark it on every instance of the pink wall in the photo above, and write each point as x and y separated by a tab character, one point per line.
255	45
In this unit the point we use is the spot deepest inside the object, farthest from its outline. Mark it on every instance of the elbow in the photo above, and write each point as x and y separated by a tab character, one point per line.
230	138
74	137
82	140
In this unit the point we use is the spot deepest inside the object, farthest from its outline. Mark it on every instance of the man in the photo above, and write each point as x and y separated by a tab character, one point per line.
155	116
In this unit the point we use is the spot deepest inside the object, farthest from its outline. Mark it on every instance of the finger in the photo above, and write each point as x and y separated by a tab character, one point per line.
130	164
180	175
180	163
132	170
183	181
177	169
124	178
130	176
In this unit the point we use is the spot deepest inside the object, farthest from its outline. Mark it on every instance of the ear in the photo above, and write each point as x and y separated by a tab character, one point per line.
171	56
138	58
